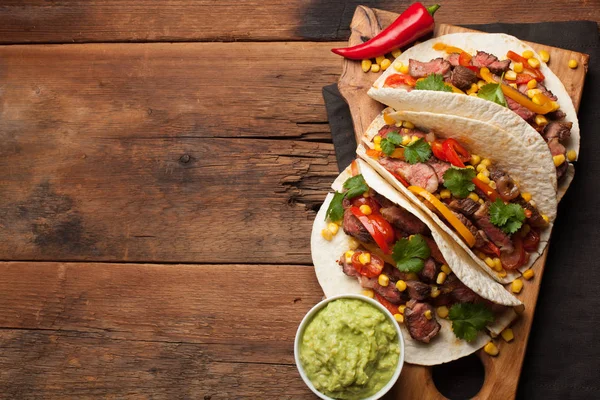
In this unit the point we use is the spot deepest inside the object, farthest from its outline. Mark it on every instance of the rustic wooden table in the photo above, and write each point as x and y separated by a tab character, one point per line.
157	197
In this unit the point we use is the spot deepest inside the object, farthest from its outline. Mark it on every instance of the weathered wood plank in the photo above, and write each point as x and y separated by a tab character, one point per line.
37	21
163	152
70	330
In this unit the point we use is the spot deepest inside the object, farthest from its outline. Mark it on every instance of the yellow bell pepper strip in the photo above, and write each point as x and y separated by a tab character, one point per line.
546	105
452	49
450	217
454	88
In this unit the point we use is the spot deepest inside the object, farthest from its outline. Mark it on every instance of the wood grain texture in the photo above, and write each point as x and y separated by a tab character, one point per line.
71	330
501	372
63	21
163	152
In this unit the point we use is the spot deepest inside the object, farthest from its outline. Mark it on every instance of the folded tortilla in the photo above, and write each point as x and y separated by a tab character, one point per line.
445	346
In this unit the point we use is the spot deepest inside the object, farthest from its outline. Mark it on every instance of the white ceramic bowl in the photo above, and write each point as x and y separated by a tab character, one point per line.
309	316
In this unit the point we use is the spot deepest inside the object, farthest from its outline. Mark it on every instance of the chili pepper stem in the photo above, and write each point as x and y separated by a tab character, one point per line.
432	9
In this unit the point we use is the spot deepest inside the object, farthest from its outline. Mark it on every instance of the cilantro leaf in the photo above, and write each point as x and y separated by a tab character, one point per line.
335	211
459	181
394	137
409	254
417	151
387	147
468	319
356	186
433	82
508	217
492	92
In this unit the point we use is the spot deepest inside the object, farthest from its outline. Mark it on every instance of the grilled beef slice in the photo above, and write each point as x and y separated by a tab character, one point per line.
417	290
464	206
520	110
440	168
495	234
557	129
435	250
463	77
353	227
480	237
404	220
430	271
419	327
483	59
418	69
420	174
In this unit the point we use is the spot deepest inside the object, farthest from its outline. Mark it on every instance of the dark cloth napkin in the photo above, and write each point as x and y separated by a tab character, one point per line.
563	352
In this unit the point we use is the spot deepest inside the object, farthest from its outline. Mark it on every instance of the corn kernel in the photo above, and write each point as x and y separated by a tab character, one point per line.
532	84
414	139
377	140
558	159
401	308
327	235
527	54
375	68
537	99
396	53
408	125
518	67
377	147
532	92
541	120
405	140
526	196
385	64
428	314
532	202
510	75
364	258
353	244
401	285
486	162
399	318
412	276
528	274
481	83
475	159
404	69
368	293
442	312
473	196
491	349
545	217
348	256
473	89
507	335
388	119
555	106
481	255
435	292
486	172
573	64
439	46
398	66
571	155
470	167
365	209
379	59
513	85
493	184
545	56
533	62
366	65
383	280
446	269
333	227
497	264
480	167
517	286
489	262
502	273
445	194
481	201
441	278
483	178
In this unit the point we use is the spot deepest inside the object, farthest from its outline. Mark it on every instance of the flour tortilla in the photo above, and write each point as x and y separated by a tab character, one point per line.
470	106
532	168
445	347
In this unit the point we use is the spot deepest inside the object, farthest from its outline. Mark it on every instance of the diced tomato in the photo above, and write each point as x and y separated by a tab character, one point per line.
354	168
531	240
384	227
517	58
486	189
464	59
369	201
374	153
396	80
524	78
384	302
512	261
438	149
455	153
380	229
372	269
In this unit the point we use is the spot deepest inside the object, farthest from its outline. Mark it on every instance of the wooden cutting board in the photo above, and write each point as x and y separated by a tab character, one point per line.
501	372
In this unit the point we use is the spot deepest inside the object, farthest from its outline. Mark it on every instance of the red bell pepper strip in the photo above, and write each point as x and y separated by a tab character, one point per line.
354	168
523	78
517	58
378	228
401	179
384	302
486	189
414	22
465	60
455	153
438	149
396	80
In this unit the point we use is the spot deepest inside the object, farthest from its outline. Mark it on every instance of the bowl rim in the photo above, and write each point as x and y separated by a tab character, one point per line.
316	308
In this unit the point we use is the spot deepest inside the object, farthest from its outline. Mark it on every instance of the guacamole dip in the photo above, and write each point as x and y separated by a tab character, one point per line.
349	350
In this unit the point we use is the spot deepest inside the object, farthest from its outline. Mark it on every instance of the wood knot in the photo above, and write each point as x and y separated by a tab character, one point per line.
184	159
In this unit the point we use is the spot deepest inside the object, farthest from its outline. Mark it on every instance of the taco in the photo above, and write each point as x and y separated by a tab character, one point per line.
493	194
389	249
428	77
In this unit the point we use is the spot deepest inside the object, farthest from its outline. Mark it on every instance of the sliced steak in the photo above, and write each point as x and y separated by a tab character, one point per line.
435	250
556	115
479	239
520	110
561	170
418	69
556	147
383	132
557	129
495	234
429	272
419	327
536	220
463	77
453	59
483	59
546	92
353	227
420	174
465	206
394	273
382	200
440	168
458	291
389	292
404	220
347	267
417	290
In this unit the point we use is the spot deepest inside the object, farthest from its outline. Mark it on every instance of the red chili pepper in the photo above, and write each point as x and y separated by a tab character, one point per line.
414	22
401	179
396	80
438	149
517	58
387	304
487	189
455	153
381	230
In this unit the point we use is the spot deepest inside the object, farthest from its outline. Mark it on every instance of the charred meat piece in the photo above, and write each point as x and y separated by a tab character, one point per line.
418	69
458	291
556	115
394	273
556	147
495	234
453	59
520	110
389	292
382	200
440	168
463	77
417	290
420	174
504	184
557	129
435	250
383	132
429	272
561	170
536	219
465	206
419	327
404	220
483	59
480	239
353	227
347	267
523	89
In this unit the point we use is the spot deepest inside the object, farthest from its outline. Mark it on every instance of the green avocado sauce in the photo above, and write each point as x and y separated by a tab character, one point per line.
349	350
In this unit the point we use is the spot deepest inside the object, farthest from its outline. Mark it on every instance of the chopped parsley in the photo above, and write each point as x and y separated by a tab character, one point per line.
508	217
492	92
433	82
335	212
417	151
459	181
468	319
355	186
410	254
389	143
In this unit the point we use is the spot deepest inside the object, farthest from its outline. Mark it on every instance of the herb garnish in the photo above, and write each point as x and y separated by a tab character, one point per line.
356	186
433	82
459	181
508	217
410	254
468	319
